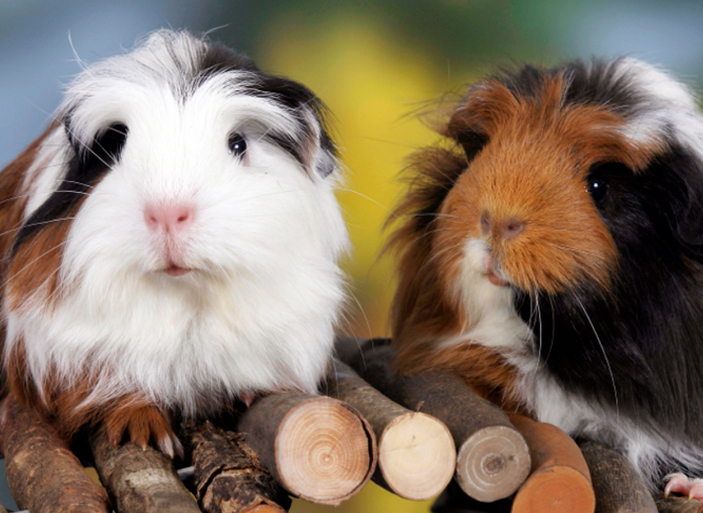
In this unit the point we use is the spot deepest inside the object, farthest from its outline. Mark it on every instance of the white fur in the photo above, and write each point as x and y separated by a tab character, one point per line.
259	308
492	319
667	108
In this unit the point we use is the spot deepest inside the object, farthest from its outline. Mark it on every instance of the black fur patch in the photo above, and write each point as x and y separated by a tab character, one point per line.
600	82
637	347
86	167
292	96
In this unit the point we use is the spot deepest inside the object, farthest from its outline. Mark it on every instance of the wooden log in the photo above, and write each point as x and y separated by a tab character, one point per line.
228	475
678	505
318	448
140	480
559	478
416	453
493	459
618	486
43	475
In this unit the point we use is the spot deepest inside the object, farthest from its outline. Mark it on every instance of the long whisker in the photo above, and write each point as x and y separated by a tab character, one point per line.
29	264
346	189
24	196
605	356
39	223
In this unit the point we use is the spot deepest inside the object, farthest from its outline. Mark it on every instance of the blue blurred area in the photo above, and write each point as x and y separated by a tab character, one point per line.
37	57
40	40
5	498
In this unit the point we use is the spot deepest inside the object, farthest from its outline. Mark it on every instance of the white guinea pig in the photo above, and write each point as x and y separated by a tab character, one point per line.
170	242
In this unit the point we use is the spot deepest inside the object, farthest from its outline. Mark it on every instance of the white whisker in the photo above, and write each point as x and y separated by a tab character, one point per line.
605	356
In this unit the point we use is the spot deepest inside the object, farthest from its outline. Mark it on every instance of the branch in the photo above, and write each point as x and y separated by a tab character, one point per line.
493	459
678	505
43	474
228	475
140	480
559	479
416	453
617	484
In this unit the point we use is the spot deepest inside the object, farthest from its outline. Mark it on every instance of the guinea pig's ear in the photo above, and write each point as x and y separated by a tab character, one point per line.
310	144
685	196
323	158
466	129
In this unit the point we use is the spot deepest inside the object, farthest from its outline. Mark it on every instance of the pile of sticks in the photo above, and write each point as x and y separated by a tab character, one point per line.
416	436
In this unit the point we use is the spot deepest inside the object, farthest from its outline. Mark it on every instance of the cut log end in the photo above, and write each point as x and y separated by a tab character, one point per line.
323	445
555	490
416	456
492	463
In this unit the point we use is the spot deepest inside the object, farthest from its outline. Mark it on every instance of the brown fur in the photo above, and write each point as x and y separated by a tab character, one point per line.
12	204
524	160
35	266
13	199
70	408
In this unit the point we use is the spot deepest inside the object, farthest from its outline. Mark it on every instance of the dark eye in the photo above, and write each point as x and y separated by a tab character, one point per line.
237	145
598	189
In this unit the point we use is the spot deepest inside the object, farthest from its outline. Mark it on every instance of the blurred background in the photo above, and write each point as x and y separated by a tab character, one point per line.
376	64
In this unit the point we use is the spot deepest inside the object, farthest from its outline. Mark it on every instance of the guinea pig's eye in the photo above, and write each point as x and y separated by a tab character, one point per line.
237	145
598	189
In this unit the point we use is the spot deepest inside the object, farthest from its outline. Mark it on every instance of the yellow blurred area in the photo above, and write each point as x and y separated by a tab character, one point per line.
372	85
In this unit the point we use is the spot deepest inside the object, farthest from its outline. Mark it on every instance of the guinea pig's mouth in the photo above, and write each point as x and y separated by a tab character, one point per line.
174	270
496	280
492	275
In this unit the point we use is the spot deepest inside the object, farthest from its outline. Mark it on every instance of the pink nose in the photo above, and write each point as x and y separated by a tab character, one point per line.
169	219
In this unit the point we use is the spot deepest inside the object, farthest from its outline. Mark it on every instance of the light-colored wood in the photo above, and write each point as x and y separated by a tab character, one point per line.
43	475
493	459
559	479
416	454
140	480
318	448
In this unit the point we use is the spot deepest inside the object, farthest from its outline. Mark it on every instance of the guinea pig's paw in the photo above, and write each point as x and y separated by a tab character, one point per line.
679	483
144	424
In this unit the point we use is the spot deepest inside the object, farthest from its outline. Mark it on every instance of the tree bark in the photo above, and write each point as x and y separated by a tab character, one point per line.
678	505
140	480
618	486
228	475
43	475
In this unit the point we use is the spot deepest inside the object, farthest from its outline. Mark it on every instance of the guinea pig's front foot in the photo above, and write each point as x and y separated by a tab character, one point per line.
679	483
144	424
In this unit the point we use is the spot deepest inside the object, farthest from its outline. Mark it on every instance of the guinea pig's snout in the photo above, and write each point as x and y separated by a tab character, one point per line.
169	219
505	229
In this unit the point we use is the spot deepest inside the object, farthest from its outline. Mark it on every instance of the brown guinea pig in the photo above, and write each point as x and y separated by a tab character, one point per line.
551	253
